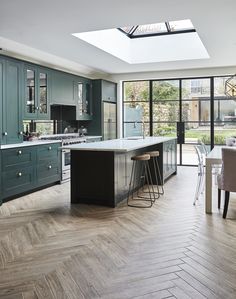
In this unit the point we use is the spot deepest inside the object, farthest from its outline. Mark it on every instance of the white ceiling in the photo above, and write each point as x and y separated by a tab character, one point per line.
42	29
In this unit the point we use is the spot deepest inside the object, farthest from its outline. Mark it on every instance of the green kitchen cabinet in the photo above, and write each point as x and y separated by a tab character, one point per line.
108	91
1	96
169	158
48	164
83	99
104	100
62	89
18	173
36	92
12	124
27	168
0	176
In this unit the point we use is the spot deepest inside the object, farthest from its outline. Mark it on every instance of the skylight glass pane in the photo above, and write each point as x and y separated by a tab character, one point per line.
150	28
181	25
126	29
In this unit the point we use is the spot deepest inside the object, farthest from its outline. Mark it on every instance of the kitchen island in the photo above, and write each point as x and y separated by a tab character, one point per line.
100	171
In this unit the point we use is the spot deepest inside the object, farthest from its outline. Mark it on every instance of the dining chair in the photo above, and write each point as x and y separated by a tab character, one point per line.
200	172
227	178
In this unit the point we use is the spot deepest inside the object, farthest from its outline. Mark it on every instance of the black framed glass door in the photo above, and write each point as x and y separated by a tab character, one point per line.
192	109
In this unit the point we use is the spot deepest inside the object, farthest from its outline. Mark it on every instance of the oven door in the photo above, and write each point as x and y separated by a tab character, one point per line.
65	159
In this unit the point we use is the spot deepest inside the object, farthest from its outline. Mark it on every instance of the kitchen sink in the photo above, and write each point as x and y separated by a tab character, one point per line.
134	138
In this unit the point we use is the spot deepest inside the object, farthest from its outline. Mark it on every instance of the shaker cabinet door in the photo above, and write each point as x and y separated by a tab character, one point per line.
12	112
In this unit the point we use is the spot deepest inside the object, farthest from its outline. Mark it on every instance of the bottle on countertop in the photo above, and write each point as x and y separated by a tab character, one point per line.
26	134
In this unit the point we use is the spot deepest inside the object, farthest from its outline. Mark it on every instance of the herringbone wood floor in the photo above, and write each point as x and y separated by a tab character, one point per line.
50	249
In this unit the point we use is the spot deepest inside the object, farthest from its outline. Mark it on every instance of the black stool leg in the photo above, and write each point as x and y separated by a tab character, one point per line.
159	173
226	204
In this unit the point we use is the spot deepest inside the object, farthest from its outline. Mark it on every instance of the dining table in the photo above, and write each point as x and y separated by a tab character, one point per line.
214	157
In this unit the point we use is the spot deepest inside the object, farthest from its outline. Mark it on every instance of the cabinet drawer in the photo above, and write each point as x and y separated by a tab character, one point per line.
17	157
48	151
17	181
48	172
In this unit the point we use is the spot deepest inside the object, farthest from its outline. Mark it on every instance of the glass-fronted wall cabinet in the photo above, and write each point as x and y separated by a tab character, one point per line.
36	92
83	98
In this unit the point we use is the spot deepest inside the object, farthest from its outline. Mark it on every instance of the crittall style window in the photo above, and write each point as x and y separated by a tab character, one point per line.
195	109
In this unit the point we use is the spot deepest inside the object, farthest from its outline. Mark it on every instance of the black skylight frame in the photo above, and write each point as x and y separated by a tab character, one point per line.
130	34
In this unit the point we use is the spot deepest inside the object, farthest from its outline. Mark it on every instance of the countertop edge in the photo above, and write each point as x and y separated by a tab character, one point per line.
28	143
95	146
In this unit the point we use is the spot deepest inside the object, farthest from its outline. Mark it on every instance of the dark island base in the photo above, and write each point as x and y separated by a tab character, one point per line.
102	177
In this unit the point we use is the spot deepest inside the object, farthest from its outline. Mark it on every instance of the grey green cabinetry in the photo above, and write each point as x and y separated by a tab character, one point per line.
11	102
104	115
169	158
36	92
48	164
62	88
83	98
1	97
0	177
17	170
27	168
108	91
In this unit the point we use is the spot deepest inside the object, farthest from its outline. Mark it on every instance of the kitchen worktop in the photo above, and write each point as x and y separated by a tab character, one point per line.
101	171
40	142
119	145
28	143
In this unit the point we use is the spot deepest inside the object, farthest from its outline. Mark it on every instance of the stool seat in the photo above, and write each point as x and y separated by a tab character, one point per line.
141	158
141	176
153	153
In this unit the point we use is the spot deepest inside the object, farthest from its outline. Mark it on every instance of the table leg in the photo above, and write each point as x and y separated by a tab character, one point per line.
208	187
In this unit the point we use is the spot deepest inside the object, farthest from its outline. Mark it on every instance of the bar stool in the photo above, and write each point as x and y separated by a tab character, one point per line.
140	175
153	155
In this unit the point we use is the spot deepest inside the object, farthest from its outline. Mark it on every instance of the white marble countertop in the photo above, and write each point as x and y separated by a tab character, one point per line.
91	137
119	145
28	143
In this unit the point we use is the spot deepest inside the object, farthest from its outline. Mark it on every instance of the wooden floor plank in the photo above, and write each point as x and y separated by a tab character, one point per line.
52	249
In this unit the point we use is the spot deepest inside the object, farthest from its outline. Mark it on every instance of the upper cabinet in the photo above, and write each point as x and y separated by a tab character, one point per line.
62	89
108	91
1	96
11	115
36	92
83	98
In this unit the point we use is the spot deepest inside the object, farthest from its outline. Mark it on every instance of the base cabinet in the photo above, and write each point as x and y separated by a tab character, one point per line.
169	158
27	168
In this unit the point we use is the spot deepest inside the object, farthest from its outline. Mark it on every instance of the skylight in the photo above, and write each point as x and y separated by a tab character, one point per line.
172	27
161	43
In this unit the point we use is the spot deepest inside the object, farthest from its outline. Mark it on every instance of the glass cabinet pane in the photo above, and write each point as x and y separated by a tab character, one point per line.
87	98
30	91
43	93
80	98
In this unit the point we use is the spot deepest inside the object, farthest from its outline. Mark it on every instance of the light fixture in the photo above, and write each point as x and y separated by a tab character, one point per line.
230	87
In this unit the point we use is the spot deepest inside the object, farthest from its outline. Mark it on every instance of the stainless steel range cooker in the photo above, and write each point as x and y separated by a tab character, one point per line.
66	139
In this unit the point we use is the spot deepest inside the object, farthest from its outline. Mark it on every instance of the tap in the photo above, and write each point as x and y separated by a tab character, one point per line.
143	126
